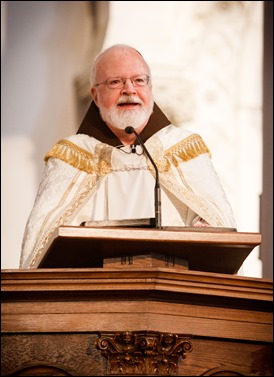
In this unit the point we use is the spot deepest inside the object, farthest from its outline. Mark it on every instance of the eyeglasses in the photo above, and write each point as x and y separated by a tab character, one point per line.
119	82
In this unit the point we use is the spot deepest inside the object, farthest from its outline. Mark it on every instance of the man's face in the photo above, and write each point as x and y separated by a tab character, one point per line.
129	105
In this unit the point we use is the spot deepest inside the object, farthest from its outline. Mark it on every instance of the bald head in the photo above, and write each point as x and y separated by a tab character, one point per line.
113	57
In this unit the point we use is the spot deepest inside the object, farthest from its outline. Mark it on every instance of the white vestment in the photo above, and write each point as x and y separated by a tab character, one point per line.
87	180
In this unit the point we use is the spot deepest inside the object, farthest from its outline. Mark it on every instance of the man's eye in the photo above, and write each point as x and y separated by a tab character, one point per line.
115	82
139	81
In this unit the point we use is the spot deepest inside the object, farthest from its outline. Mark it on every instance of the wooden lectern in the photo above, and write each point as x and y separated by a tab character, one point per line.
200	249
133	301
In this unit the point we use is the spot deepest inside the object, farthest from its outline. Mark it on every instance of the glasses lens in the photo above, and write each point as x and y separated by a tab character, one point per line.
140	80
115	83
119	82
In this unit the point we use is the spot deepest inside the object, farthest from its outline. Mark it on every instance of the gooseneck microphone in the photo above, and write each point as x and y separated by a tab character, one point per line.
157	190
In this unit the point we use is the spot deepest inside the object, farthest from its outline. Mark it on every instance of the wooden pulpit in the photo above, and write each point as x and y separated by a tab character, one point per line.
138	301
200	249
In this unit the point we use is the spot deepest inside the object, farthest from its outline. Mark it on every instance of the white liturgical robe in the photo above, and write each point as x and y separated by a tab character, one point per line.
88	180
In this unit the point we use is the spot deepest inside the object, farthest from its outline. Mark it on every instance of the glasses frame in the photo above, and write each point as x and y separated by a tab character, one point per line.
124	79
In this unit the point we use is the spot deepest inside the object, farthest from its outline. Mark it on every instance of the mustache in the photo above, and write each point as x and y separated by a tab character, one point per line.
129	99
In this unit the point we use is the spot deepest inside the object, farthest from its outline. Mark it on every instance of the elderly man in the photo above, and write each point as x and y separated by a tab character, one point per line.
104	172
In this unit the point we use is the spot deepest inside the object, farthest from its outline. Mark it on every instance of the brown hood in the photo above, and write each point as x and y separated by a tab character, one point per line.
94	126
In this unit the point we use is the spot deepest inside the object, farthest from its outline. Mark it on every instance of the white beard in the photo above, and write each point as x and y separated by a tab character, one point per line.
121	119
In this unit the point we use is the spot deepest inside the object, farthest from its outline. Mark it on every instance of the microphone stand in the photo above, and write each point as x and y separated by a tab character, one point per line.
157	189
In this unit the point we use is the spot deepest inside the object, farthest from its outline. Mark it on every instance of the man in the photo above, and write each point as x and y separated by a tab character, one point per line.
103	173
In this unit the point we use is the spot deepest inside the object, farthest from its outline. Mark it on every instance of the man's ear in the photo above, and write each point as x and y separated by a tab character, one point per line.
94	95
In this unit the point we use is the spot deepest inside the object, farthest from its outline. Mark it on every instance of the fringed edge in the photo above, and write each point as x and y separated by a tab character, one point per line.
187	149
72	154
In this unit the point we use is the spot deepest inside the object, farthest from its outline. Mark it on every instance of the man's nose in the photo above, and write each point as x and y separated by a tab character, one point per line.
128	87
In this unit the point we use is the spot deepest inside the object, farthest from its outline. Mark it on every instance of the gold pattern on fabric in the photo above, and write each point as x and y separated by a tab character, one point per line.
155	146
102	159
187	149
86	188
192	200
100	162
81	159
96	166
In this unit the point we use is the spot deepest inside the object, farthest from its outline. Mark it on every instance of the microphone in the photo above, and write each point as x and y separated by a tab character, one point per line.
157	190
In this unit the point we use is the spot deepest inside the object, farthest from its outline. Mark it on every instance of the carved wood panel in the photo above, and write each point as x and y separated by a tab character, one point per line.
143	352
74	354
53	354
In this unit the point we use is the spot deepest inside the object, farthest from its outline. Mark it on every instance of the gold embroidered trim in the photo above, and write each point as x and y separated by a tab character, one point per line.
187	149
74	155
63	216
65	150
